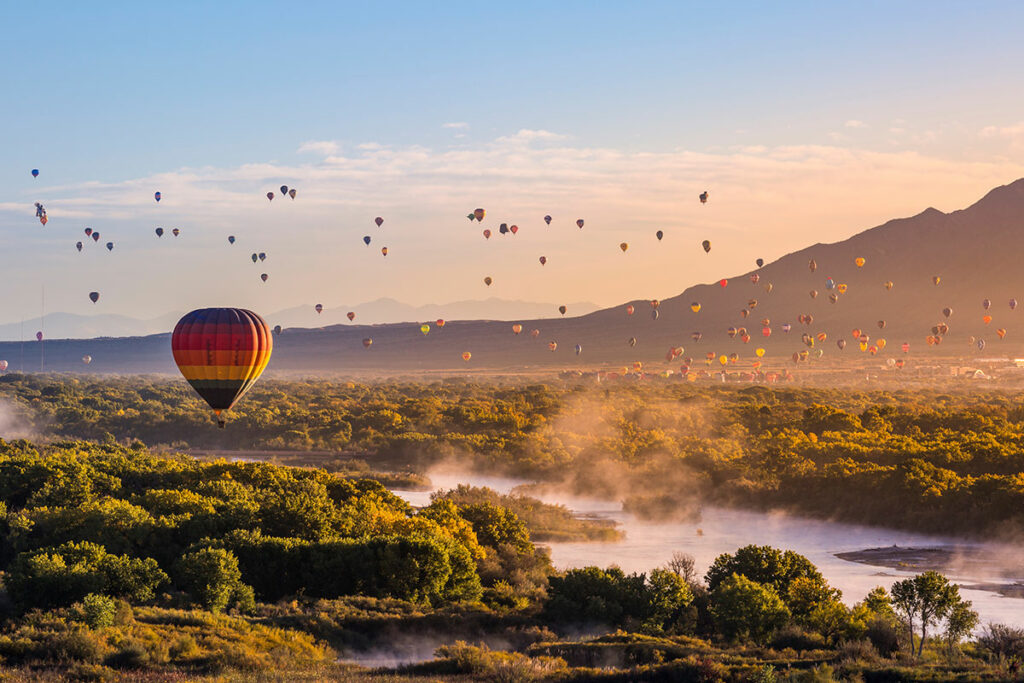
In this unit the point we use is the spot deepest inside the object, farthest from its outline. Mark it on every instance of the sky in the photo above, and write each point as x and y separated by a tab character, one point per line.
805	122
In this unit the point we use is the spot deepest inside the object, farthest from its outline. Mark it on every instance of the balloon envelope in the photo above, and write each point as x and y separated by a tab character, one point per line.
221	352
156	196
35	174
94	296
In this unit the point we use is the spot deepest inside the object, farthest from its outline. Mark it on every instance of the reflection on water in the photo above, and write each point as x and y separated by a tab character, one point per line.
649	544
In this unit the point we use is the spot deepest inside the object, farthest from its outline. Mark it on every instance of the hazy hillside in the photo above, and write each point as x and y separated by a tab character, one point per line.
977	252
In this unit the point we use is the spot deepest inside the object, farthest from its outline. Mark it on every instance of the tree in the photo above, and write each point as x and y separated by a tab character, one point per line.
744	609
960	621
926	599
767	565
667	594
211	576
682	564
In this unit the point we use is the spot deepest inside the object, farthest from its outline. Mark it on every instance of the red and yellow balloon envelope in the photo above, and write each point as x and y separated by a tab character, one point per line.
221	352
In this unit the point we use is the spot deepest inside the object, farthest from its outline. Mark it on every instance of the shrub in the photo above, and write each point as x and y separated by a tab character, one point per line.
211	576
98	611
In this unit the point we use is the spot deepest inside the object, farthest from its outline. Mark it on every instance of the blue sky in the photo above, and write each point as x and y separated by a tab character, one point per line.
422	111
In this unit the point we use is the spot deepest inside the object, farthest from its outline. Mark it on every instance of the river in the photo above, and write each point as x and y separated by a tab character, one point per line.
723	530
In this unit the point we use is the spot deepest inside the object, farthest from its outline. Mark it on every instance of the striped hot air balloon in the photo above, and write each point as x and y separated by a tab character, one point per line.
221	352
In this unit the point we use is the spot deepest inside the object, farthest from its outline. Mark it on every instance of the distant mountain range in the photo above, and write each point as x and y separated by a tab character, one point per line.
976	255
381	311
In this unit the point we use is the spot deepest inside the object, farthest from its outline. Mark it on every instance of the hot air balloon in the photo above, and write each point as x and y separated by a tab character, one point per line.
755	278
88	232
947	311
534	333
766	331
723	282
981	344
833	297
95	237
94	296
384	251
1001	332
579	223
562	309
829	283
351	315
821	336
488	280
110	246
35	172
44	220
695	307
547	219
704	197
769	287
986	304
814	293
487	234
39	336
291	193
319	308
78	246
221	352
759	353
479	214
759	262
841	344
552	346
262	256
367	342
905	347
881	324
579	349
623	246
231	239
859	261
517	328
3	365
659	235
156	196
284	190
731	332
255	257
439	322
889	285
425	328
630	309
264	277
175	232
514	229
655	303
87	359
632	341
986	319
270	196
723	359
1013	304
466	355
707	246
503	228
470	216
936	279
379	221
841	288
543	260
696	336
159	232
812	265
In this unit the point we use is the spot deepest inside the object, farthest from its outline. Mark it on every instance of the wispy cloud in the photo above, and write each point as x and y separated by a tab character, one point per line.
324	147
854	123
459	125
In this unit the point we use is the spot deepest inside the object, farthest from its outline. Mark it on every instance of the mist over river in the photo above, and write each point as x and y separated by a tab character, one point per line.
723	530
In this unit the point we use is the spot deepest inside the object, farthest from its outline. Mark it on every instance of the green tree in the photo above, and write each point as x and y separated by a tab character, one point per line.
211	576
747	610
769	566
960	621
924	599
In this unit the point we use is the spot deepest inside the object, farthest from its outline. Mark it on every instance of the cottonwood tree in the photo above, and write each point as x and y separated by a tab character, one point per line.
925	599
